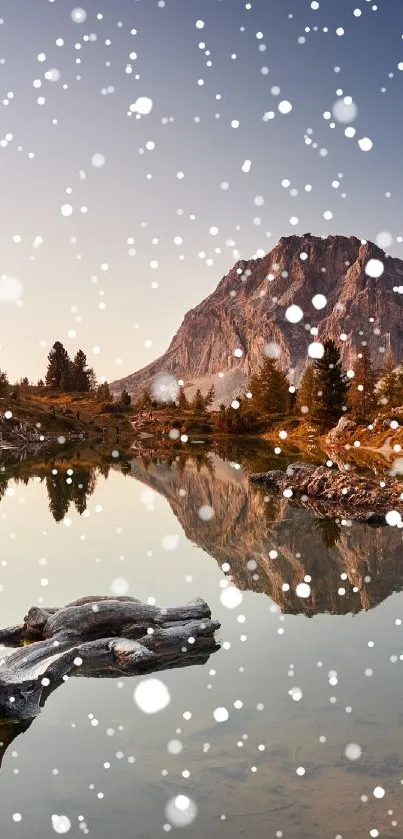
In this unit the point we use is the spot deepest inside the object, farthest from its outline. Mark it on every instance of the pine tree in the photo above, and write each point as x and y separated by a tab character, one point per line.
222	417
144	402
270	394
125	399
292	399
92	380
332	385
209	398
399	382
198	402
103	392
389	384
67	378
238	420
58	363
80	373
183	403
3	384
362	396
307	390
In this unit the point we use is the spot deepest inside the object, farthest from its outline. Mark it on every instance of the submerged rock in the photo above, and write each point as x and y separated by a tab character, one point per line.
334	493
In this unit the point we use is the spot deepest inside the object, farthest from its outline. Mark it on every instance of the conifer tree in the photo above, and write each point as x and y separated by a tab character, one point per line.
362	396
270	394
4	385
332	385
58	363
92	380
125	399
80	373
103	392
389	384
144	402
209	398
307	390
198	402
67	378
399	381
237	420
222	417
183	403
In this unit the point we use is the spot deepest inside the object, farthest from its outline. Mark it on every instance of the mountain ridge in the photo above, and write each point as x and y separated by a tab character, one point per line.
222	340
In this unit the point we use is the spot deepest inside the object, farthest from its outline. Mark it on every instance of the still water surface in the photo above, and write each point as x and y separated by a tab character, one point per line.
340	647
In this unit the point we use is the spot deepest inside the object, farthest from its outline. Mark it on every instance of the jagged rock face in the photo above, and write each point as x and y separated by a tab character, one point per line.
336	434
247	311
332	492
248	525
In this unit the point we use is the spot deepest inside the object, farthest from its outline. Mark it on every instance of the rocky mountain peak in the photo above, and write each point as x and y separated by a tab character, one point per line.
222	341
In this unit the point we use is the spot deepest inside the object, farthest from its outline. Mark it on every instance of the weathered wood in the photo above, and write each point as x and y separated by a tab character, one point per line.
97	636
12	634
112	615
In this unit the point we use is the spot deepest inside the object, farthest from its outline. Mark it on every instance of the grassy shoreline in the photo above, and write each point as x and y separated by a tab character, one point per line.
80	419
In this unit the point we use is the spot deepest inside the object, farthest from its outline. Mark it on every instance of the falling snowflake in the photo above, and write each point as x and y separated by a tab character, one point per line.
374	268
61	824
231	597
10	289
151	696
221	715
143	105
294	313
181	811
79	15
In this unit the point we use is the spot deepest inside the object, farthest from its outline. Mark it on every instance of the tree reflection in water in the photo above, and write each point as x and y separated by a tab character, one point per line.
64	489
269	543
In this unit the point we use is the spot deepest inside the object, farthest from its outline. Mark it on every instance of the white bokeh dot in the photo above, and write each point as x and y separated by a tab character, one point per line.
151	696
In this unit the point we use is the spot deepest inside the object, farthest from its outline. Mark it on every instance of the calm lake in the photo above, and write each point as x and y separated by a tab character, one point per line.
302	678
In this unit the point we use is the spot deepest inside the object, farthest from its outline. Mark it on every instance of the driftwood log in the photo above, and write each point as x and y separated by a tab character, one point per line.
330	492
97	637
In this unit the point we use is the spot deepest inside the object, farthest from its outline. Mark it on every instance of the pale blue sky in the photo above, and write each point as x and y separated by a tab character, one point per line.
122	202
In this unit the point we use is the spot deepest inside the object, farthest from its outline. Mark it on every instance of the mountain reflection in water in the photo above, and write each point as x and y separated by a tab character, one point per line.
263	542
267	545
270	545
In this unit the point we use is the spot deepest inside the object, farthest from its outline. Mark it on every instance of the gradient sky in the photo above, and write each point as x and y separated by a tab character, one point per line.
62	280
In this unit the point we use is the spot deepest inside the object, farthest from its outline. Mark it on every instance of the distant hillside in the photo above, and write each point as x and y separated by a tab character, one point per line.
247	310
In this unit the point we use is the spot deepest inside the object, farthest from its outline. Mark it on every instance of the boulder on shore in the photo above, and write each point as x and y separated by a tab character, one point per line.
331	492
337	433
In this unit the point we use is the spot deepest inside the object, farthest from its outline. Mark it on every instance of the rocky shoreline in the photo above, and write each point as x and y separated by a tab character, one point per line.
331	492
20	435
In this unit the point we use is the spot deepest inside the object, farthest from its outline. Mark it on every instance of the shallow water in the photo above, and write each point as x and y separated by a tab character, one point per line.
241	774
